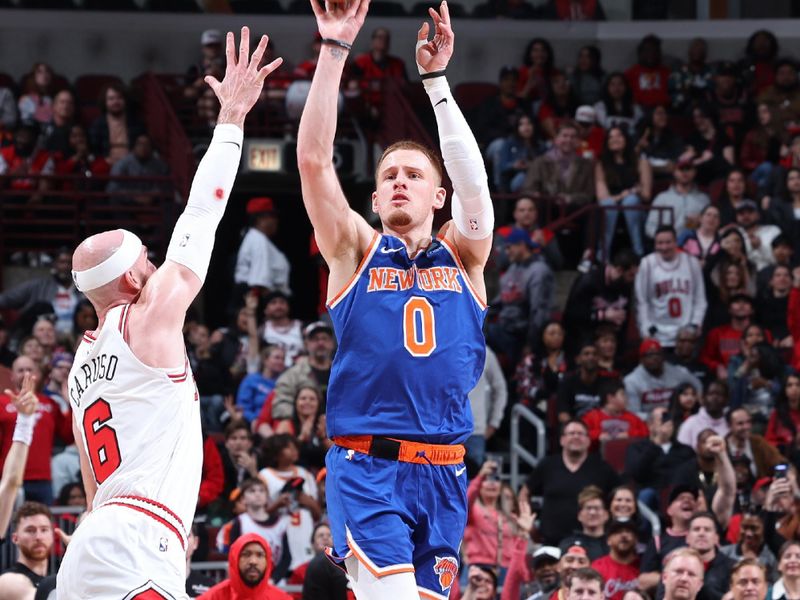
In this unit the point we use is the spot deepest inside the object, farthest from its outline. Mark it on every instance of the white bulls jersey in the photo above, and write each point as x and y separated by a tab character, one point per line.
140	427
669	295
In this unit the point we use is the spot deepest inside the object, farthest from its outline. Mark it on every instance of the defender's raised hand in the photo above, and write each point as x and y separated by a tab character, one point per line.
340	20
434	55
241	86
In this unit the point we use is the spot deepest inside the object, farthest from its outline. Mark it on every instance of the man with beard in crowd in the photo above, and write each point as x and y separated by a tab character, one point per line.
601	296
56	290
249	568
33	536
620	567
532	575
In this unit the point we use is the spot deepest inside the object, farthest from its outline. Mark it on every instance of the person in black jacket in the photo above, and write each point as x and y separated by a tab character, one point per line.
602	295
652	461
559	478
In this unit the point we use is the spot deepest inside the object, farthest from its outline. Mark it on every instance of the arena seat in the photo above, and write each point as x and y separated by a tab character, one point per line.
471	94
613	452
88	87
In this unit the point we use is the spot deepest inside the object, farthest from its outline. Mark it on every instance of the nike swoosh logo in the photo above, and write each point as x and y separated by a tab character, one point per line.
439	102
460	472
390	250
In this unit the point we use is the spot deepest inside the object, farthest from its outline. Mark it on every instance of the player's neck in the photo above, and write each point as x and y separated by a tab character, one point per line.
37	566
415	240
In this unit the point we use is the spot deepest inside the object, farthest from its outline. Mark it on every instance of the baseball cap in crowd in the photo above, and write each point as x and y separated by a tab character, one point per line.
61	357
211	36
518	235
585	114
315	327
764	482
545	554
746	205
618	525
649	345
573	545
681	489
257	206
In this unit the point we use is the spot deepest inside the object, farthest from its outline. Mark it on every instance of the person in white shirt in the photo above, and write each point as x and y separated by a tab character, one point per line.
683	197
488	401
670	292
710	416
757	238
281	330
259	263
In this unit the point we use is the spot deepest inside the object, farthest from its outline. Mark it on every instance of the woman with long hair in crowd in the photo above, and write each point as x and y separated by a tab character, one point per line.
308	426
587	77
761	146
559	104
36	102
539	374
494	533
659	143
733	194
516	154
728	278
709	148
784	420
785	211
788	586
538	63
683	403
703	242
616	107
622	179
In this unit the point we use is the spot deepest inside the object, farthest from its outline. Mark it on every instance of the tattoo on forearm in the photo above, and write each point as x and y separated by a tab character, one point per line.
337	53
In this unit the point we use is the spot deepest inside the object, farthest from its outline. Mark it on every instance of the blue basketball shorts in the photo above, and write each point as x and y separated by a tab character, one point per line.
398	517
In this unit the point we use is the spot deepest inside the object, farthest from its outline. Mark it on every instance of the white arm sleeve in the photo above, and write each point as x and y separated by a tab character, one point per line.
193	237
472	210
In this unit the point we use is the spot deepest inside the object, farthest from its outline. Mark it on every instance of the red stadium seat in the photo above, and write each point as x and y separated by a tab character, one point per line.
613	452
472	94
88	87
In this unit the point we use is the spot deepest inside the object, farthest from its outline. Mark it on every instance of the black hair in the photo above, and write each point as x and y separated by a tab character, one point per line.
66	490
627	98
782	405
607	388
625	259
549	64
675	410
666	229
607	158
749	50
597	58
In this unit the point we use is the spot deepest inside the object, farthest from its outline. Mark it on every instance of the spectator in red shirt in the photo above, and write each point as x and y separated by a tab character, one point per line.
793	315
723	342
784	422
50	422
79	160
613	420
591	135
649	78
249	568
371	68
22	158
758	68
558	106
620	567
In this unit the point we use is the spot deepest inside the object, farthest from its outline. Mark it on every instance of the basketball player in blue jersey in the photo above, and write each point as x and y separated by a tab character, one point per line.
407	310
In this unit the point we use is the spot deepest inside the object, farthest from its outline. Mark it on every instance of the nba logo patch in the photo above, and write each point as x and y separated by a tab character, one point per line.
473	224
446	568
162	544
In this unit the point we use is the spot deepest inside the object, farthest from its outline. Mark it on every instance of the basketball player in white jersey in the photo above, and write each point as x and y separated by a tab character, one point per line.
670	293
134	401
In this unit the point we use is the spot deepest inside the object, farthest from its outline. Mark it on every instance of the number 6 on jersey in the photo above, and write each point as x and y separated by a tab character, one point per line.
101	440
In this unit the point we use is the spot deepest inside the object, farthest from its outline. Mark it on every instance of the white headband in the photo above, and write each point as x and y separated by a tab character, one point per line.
115	265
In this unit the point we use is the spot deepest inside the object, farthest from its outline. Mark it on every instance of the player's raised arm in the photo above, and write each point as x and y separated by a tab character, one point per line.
339	231
473	215
174	286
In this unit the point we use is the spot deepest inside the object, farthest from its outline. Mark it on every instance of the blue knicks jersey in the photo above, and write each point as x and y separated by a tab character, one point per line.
411	346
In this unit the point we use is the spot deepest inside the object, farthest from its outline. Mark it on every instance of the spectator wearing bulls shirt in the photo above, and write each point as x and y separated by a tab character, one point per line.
613	420
651	383
620	567
649	79
669	290
49	423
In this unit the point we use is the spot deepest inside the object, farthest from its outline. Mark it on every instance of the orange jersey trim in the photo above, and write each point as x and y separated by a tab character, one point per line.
454	253
373	246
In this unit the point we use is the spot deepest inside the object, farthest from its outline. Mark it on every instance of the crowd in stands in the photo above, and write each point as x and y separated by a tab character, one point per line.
668	380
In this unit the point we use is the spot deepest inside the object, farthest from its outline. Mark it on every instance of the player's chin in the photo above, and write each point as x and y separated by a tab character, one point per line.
398	218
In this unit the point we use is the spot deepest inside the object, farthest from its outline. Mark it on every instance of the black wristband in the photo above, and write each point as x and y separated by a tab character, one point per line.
432	75
339	43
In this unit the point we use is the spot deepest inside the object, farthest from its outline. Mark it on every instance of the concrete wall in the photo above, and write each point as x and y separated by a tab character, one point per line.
130	43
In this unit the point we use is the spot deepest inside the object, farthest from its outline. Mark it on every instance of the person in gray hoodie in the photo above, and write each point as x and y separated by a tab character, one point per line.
651	383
